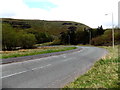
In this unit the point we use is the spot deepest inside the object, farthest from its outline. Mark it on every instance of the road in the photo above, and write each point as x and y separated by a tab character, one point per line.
50	72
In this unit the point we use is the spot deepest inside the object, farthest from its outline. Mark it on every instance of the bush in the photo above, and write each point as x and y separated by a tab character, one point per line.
106	38
117	36
27	40
56	42
43	37
82	37
98	41
11	38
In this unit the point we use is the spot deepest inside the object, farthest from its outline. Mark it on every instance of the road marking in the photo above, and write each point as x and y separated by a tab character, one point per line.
41	67
25	71
14	74
68	59
64	56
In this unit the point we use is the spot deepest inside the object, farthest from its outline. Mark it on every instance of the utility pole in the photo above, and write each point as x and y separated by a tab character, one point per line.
69	39
113	44
89	31
90	37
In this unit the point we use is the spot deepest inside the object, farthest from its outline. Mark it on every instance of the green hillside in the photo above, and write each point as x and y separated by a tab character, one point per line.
51	27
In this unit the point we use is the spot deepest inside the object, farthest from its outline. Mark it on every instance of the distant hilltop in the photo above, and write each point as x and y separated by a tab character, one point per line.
51	27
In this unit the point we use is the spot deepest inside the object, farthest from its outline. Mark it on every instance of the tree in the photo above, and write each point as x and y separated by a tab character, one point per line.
64	38
27	40
43	37
12	38
100	30
82	37
71	33
9	37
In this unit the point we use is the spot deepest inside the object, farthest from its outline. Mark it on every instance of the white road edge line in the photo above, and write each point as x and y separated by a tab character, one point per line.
25	71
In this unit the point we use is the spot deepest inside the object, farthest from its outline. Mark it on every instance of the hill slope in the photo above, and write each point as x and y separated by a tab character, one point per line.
51	27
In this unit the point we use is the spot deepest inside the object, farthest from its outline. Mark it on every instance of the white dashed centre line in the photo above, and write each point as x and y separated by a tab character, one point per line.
26	71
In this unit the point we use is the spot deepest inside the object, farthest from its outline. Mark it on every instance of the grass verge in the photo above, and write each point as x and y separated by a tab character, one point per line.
104	73
27	52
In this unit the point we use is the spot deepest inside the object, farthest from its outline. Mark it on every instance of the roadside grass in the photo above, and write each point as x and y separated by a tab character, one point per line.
104	73
28	52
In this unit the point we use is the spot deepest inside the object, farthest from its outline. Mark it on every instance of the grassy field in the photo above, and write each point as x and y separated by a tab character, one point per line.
27	52
104	73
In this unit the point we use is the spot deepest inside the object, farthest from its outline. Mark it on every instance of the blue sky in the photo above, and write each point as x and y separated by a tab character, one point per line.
47	5
89	12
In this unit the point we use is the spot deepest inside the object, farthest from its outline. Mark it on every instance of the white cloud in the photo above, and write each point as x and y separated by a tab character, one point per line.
12	6
90	12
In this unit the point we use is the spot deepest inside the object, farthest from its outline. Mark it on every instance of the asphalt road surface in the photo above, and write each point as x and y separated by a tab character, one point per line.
50	72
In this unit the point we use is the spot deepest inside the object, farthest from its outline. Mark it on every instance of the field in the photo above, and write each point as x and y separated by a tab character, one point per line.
104	73
27	52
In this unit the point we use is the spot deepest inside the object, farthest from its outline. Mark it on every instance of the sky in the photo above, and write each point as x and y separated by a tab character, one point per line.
89	12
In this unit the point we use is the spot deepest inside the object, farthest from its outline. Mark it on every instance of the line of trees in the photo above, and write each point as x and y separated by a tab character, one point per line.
73	36
27	38
96	37
13	38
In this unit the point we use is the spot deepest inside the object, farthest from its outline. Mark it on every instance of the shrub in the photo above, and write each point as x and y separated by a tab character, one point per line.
27	40
43	37
106	38
11	38
56	42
